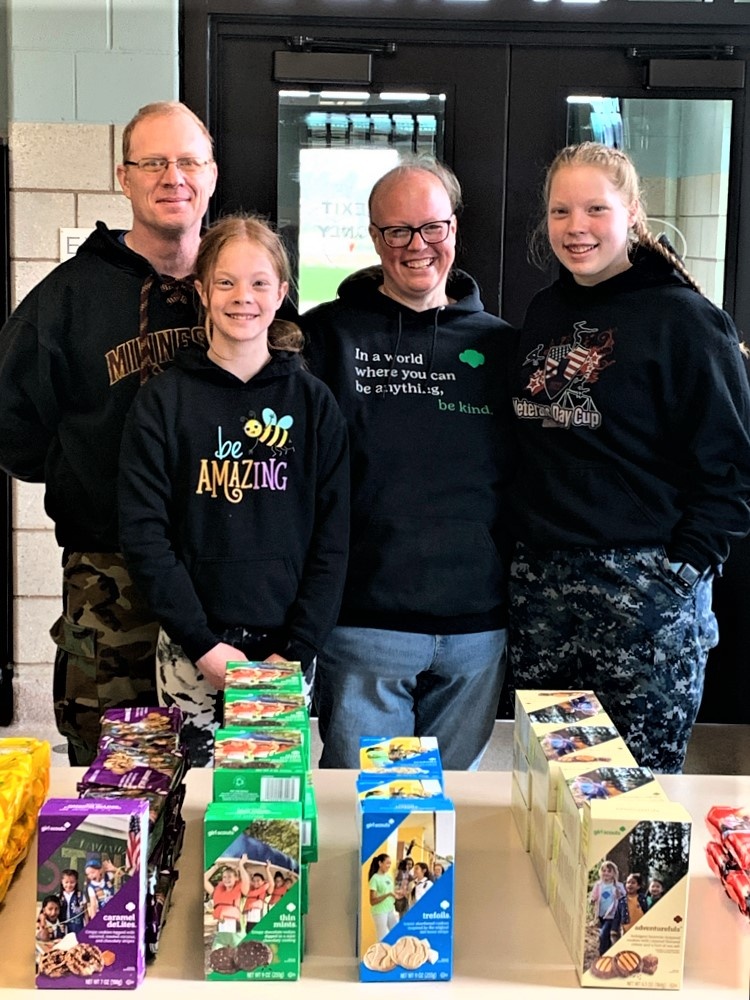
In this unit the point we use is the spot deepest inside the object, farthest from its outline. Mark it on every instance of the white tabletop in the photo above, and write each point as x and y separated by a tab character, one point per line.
505	936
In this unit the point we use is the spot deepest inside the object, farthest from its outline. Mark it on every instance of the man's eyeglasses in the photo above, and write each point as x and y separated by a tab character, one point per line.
156	164
401	236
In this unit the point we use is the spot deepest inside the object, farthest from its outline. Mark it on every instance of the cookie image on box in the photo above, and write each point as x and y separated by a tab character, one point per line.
379	957
53	964
223	959
627	962
252	955
604	967
84	959
411	952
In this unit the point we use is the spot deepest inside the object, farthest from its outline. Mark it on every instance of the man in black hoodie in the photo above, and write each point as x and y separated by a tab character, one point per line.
72	357
418	368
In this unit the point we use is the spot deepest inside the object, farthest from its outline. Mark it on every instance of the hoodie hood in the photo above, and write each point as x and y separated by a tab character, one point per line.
194	361
108	245
363	288
649	270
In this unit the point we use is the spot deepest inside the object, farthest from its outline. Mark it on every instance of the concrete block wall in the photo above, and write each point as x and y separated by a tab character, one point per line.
79	69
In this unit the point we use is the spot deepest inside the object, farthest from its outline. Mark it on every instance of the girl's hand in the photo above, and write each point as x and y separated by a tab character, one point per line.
213	664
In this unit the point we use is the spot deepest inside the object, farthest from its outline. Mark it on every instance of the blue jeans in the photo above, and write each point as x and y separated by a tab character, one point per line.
373	682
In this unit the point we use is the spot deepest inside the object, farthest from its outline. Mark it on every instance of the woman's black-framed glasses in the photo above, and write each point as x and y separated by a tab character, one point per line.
398	237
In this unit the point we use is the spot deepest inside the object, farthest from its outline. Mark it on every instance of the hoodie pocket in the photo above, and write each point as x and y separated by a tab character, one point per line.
429	566
250	592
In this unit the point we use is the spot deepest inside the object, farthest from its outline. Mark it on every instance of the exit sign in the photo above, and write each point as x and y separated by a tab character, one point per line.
70	240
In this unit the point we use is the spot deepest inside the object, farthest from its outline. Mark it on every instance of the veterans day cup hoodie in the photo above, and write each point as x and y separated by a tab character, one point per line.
633	417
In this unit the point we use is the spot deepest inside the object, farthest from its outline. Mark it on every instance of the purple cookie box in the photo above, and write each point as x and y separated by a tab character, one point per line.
70	832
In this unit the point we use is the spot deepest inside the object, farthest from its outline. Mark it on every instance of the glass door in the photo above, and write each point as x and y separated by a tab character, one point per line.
687	145
690	149
681	150
306	155
333	147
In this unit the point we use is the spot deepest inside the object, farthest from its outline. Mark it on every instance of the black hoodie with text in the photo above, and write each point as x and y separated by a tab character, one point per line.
72	357
424	395
633	418
234	502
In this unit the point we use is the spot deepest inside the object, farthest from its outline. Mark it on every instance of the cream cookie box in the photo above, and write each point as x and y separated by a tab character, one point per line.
650	837
95	940
548	775
625	784
406	935
541	711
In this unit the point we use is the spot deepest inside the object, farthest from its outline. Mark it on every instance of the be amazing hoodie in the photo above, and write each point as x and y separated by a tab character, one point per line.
425	401
633	418
234	501
72	357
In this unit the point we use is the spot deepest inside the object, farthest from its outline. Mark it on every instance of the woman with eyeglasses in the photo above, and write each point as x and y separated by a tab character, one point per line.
417	367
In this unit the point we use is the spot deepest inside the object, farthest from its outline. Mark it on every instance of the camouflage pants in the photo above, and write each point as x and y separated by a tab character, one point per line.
180	683
616	622
106	640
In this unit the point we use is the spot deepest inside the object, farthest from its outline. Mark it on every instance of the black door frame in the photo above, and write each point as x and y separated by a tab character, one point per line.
247	143
6	519
518	24
554	75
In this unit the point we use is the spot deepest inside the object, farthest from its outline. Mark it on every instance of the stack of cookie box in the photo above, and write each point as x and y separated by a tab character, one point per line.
579	799
403	813
122	837
263	821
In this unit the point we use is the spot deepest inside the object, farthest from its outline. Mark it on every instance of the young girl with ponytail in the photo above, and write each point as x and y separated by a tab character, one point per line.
633	418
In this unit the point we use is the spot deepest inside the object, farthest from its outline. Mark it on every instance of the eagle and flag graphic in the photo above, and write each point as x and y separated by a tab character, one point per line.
564	373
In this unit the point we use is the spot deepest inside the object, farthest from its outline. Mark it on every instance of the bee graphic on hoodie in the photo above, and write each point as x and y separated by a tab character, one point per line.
270	430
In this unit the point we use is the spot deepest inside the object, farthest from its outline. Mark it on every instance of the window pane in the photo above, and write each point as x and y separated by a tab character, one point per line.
333	146
681	151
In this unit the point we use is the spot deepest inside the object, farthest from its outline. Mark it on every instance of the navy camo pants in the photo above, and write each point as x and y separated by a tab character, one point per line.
616	622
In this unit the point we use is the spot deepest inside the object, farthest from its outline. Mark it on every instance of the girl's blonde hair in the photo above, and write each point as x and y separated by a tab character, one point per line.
624	178
282	334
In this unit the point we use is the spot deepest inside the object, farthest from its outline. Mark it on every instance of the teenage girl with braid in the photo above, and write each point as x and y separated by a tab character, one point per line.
633	416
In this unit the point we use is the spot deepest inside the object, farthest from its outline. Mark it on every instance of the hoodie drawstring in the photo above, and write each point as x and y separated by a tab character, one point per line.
177	291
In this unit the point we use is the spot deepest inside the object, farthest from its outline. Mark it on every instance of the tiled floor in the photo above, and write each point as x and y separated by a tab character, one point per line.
714	749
